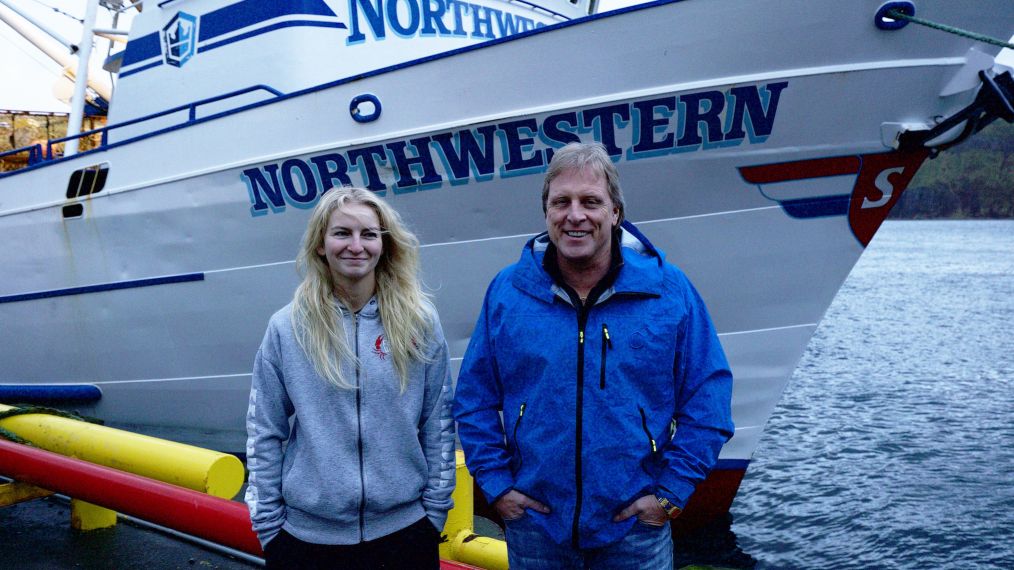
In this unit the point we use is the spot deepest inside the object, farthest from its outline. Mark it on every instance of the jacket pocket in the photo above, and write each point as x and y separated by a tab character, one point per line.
607	343
652	447
518	457
649	461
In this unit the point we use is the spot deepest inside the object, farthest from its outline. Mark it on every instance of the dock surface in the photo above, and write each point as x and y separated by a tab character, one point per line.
37	535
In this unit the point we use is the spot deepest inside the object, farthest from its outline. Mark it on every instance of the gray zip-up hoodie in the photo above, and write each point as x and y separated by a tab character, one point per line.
334	466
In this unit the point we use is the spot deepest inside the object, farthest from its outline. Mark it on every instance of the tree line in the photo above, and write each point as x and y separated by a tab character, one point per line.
972	180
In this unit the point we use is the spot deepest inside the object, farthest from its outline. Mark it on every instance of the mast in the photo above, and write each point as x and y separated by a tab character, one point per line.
35	22
84	54
35	31
18	20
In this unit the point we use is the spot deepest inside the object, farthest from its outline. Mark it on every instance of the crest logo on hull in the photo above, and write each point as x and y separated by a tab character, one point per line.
179	39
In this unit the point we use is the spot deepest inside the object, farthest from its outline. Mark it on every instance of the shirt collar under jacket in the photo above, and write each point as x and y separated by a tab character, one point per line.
551	264
636	268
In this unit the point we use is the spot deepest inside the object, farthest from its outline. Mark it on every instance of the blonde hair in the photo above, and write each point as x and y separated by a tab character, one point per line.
405	310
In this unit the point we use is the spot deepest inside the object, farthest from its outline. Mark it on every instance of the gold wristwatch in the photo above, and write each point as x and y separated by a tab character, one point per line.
671	510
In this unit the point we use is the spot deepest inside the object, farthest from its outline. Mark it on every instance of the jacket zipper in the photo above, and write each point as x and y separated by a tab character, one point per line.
517	445
647	432
359	440
605	341
582	320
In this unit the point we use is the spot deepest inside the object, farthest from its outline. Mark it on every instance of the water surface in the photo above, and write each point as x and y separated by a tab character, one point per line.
893	445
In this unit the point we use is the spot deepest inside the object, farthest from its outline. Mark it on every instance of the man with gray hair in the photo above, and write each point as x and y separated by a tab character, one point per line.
594	395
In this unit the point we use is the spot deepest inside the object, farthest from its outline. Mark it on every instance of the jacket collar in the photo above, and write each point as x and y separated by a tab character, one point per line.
640	273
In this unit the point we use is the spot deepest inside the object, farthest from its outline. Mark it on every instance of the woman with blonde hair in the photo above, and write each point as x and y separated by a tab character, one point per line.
350	444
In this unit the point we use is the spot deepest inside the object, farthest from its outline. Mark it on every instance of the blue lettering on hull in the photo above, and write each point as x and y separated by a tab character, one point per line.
632	131
376	19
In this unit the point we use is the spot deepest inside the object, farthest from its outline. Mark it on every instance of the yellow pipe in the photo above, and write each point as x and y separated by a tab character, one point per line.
462	544
210	472
460	517
481	551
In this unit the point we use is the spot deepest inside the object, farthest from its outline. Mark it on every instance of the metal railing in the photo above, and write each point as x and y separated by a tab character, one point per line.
36	153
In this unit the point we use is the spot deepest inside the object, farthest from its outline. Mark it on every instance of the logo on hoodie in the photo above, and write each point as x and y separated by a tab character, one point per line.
380	347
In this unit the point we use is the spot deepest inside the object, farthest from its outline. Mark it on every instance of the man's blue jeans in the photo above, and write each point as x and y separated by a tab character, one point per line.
644	548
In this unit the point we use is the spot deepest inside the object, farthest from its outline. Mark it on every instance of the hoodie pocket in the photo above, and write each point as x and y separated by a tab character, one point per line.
518	457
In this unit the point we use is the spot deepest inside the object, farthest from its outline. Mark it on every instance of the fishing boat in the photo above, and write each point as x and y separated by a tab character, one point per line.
760	143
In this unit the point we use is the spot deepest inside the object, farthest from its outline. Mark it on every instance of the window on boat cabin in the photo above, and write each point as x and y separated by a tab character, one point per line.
88	180
73	211
84	182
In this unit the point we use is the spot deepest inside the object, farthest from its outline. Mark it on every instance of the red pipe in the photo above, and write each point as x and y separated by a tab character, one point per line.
214	519
211	518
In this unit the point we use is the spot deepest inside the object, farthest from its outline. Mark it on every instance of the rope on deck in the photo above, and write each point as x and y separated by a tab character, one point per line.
898	14
21	410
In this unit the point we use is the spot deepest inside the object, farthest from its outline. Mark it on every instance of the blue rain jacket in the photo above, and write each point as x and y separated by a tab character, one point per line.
600	406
